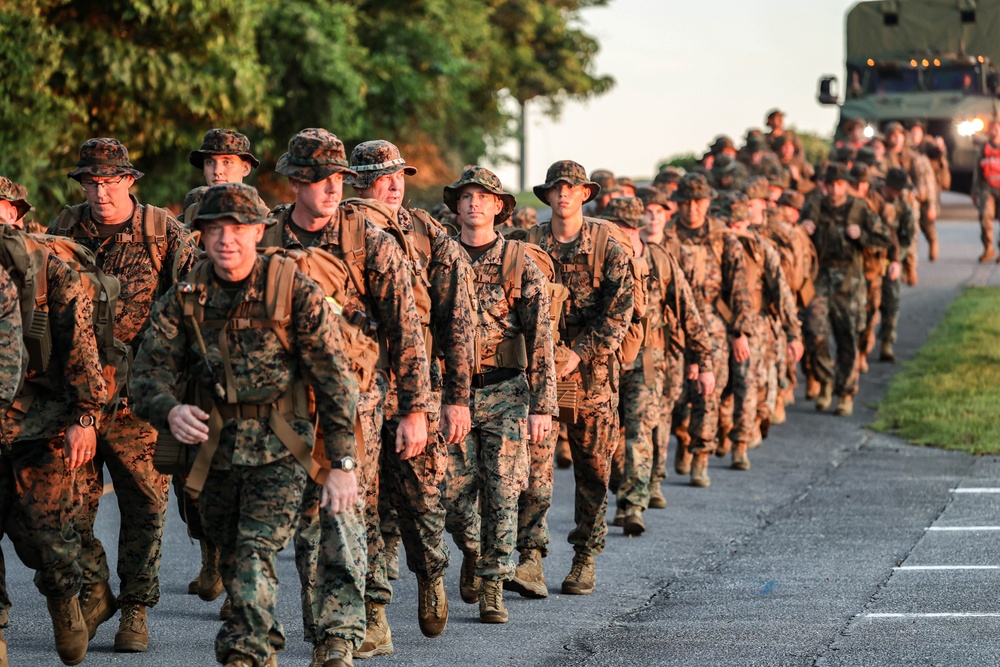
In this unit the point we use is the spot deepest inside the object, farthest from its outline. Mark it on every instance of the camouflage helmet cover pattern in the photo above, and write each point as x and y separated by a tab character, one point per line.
104	156
314	154
626	210
232	200
570	172
373	159
219	141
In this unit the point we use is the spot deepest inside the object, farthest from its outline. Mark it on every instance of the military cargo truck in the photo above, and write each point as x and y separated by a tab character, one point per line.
927	60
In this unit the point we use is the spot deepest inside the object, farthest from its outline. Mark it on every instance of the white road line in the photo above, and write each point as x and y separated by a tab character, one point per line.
947	567
963	528
984	489
961	614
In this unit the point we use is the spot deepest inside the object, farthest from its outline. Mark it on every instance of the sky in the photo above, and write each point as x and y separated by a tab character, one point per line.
686	71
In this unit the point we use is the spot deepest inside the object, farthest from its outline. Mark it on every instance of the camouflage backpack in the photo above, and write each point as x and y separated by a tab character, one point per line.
635	336
512	272
154	230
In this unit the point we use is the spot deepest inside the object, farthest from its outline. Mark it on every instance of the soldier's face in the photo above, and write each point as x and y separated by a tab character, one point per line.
108	197
8	213
916	135
837	190
388	189
225	169
627	191
787	151
320	199
477	207
896	140
693	212
655	217
566	200
791	214
232	247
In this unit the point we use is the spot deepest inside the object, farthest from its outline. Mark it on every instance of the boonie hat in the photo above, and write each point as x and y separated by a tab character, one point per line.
626	210
570	172
898	179
220	141
103	156
372	159
10	191
232	200
488	181
693	186
792	199
314	154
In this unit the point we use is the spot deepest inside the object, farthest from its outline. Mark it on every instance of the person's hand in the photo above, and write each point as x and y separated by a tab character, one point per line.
692	372
571	365
706	383
796	349
188	423
339	493
411	436
809	226
895	270
539	427
456	422
853	231
80	445
931	213
741	348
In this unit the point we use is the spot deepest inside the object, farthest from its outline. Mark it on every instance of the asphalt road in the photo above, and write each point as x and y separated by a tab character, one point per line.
839	547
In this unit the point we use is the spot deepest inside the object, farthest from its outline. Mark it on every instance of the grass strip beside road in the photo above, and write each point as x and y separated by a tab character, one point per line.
949	395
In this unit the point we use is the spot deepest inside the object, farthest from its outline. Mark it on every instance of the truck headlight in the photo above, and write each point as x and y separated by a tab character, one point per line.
869	131
967	128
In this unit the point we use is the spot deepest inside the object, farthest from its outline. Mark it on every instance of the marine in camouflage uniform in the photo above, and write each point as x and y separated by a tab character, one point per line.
843	227
112	226
918	167
253	490
327	547
671	315
409	484
904	229
524	217
717	276
594	323
513	394
49	432
986	189
609	189
10	377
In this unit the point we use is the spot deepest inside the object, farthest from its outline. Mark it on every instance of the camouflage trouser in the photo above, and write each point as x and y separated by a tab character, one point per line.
340	577
142	495
534	502
40	503
485	476
988	198
312	543
704	410
249	512
889	310
837	312
673	389
873	307
747	388
187	508
639	410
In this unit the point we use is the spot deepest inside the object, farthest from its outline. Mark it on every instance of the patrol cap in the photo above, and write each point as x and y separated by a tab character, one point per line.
668	175
724	164
314	154
373	159
733	206
104	156
843	154
624	181
486	179
194	195
836	171
774	112
866	155
792	199
755	143
626	210
893	126
650	196
859	173
606	179
693	186
10	191
524	217
756	187
898	179
570	172
232	200
219	141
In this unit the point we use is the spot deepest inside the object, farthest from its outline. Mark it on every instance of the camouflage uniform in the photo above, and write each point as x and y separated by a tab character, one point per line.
595	321
876	261
904	229
925	188
838	308
217	141
10	377
412	485
524	217
986	189
253	492
125	445
326	547
492	461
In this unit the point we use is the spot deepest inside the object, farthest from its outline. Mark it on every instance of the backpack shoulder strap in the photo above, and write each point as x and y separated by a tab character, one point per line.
512	269
154	234
68	218
600	235
278	291
352	242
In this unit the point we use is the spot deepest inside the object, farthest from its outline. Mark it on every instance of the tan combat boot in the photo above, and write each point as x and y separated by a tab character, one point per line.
491	606
226	610
779	416
682	457
564	458
581	577
332	652
989	254
235	659
845	406
378	635
619	519
724	446
392	555
133	633
740	459
934	250
633	524
825	398
699	470
657	500
529	577
69	628
862	362
813	387
98	604
468	582
209	579
432	606
886	353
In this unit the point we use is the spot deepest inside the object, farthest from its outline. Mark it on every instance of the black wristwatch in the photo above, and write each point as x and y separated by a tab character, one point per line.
347	463
86	421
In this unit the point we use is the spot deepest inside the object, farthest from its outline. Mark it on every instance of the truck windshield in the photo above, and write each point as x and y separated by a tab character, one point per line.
961	79
892	80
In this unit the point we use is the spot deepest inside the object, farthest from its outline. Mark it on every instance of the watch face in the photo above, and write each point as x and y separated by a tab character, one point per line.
347	463
86	420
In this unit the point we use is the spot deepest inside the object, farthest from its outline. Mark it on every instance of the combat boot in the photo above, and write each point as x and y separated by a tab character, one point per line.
657	500
98	604
193	584
740	459
825	398
779	416
378	635
332	652
910	273
209	579
236	659
468	583
724	445
491	606
133	633
3	650
682	456
699	470
886	353
813	387
564	458
934	250
989	254
432	606
619	519
862	363
845	406
226	610
581	577
69	628
634	525
392	555
529	577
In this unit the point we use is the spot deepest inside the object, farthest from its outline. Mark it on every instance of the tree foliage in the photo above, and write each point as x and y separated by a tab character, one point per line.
431	75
